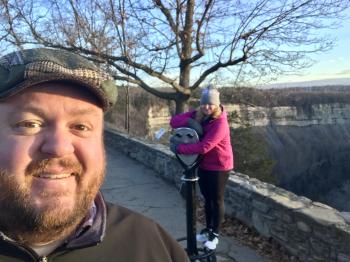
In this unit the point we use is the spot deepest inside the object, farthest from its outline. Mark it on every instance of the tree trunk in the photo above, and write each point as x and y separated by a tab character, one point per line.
181	104
185	64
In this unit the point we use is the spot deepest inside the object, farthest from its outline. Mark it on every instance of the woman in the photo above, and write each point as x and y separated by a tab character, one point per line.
217	162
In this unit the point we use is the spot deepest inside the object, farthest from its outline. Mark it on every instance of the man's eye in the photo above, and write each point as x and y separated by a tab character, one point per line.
82	130
28	127
81	127
28	124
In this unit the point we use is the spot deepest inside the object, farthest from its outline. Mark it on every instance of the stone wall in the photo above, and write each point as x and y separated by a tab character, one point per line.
310	230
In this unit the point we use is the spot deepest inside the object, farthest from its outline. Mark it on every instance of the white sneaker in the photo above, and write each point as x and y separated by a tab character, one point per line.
203	236
212	241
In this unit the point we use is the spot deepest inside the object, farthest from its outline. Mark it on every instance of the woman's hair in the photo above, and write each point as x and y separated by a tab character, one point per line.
200	116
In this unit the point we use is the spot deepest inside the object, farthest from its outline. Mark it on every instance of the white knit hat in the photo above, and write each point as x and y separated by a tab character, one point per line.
210	95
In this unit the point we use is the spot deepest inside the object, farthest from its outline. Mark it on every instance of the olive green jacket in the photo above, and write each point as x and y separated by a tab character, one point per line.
117	234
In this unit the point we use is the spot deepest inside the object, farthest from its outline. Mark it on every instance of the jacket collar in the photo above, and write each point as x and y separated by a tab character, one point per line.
93	230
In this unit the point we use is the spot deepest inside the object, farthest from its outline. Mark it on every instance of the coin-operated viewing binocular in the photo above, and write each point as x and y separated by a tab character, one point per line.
185	135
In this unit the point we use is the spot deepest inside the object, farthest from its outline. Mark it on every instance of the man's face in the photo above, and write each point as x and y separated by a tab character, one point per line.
52	159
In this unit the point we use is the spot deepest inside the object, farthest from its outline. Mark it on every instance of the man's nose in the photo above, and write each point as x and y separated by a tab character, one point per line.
57	143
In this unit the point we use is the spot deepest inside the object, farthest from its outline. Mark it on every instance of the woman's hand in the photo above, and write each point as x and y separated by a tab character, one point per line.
191	123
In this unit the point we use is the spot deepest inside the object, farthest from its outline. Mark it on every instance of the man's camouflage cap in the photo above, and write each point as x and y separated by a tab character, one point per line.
22	69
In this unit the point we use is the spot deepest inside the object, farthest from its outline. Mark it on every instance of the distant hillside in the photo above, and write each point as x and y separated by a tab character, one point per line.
322	82
246	95
296	96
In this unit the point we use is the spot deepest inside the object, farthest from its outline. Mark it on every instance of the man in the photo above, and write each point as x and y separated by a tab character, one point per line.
52	164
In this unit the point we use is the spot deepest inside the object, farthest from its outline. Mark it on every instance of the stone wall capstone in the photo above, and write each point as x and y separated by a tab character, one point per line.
310	230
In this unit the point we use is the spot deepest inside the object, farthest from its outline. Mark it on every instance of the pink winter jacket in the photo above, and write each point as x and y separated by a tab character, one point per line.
215	146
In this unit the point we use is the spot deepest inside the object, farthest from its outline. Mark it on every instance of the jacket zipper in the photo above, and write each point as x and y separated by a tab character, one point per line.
29	251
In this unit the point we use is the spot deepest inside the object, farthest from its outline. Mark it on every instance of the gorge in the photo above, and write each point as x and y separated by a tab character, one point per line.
311	146
307	135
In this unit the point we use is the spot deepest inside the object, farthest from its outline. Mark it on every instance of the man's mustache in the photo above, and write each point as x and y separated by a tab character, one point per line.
37	167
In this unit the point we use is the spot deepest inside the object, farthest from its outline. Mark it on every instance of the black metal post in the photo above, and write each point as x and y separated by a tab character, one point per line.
193	252
191	212
187	136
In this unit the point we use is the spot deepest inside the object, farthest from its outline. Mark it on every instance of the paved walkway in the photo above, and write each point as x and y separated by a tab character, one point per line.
133	185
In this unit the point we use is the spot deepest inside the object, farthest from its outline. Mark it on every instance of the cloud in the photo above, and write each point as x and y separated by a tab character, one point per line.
335	60
344	72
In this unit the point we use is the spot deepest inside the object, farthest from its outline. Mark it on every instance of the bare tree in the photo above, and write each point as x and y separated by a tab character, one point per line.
179	44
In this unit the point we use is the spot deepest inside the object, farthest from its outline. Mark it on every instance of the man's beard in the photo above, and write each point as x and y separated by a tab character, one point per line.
22	221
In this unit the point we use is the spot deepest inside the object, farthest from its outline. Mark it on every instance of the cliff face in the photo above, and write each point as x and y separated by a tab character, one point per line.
312	148
309	138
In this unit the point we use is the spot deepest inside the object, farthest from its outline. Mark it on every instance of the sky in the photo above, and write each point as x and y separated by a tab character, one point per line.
332	64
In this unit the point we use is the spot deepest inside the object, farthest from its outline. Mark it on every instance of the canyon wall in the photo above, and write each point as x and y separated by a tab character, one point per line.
311	145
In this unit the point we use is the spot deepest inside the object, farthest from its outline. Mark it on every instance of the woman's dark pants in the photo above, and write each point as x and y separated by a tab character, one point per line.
212	186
